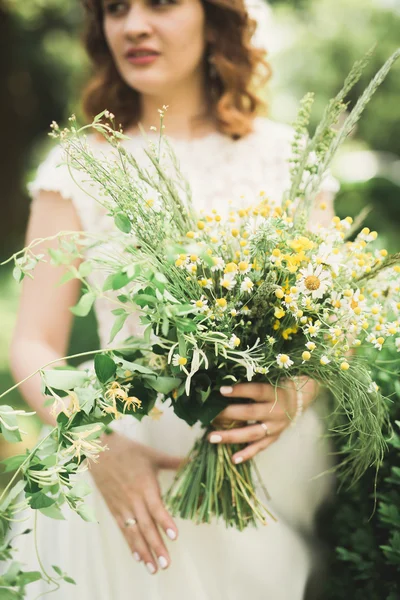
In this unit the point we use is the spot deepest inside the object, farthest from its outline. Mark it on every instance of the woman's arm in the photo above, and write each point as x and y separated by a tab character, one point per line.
126	475
44	320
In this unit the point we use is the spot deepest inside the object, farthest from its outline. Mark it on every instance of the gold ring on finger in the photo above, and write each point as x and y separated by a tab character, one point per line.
130	522
265	428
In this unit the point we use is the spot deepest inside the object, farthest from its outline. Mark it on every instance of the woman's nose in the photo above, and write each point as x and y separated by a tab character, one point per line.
138	21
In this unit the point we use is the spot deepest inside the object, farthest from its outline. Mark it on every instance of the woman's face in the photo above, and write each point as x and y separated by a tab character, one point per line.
156	44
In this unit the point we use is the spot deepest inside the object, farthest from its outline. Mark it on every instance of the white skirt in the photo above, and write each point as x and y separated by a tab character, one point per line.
209	562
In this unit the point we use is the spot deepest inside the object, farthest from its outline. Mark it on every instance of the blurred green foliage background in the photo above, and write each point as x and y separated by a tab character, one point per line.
313	44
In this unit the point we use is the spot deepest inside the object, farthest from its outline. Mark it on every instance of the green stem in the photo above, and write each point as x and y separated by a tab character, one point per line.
28	458
52	362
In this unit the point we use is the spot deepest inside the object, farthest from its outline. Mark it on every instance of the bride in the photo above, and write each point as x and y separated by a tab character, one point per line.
196	57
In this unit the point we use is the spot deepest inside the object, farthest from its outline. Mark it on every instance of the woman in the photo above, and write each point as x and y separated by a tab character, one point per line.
196	57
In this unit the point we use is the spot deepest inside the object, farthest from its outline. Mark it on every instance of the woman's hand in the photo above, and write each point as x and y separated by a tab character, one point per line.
273	408
126	476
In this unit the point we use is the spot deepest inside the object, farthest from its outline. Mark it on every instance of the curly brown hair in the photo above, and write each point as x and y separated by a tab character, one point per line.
234	68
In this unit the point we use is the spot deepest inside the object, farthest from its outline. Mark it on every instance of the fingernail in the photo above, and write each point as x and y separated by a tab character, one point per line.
238	459
151	568
162	561
226	389
215	438
136	556
171	534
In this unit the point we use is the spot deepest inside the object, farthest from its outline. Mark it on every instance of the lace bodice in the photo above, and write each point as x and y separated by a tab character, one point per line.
218	169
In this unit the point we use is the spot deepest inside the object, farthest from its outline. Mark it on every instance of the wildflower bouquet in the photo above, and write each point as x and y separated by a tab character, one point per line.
250	295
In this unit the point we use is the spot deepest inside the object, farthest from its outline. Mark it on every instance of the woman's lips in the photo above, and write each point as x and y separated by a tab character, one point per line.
142	59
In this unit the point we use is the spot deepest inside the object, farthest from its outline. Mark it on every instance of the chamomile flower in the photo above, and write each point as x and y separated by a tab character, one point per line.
246	285
284	361
179	361
218	264
244	267
228	281
373	388
314	281
312	329
271	340
221	304
311	346
205	283
324	360
378	343
234	341
328	255
201	304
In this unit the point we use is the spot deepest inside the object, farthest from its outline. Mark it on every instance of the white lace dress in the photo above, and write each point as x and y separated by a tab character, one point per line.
209	562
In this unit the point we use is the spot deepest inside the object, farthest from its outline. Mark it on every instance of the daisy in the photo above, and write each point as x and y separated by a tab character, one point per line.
324	360
179	361
228	282
284	361
314	281
312	329
328	256
243	267
234	341
246	285
218	264
200	304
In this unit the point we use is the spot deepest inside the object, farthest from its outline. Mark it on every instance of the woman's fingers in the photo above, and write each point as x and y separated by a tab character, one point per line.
250	451
247	434
138	546
252	412
158	511
159	555
259	392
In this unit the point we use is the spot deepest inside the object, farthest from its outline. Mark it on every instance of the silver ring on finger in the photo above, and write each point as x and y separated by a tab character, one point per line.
130	522
265	428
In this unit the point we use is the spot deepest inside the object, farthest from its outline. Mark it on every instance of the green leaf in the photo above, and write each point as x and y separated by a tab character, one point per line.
9	424
105	367
87	513
118	325
29	577
80	490
69	579
82	309
8	594
134	367
164	385
85	268
40	500
13	462
107	285
64	378
119	280
13	493
53	512
122	222
18	274
57	570
12	437
72	273
143	300
87	398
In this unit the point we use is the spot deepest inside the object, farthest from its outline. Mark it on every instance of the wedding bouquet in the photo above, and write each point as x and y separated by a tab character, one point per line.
248	295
